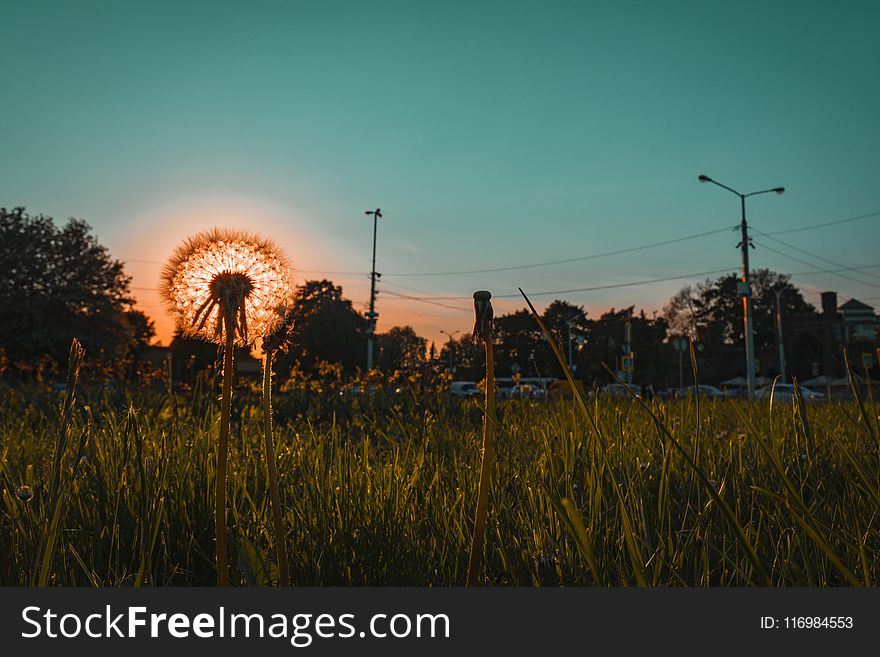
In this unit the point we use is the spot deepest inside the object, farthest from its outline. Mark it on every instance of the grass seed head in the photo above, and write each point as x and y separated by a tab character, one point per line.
222	280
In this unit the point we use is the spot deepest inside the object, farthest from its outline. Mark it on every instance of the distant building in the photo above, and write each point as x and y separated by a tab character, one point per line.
814	345
859	322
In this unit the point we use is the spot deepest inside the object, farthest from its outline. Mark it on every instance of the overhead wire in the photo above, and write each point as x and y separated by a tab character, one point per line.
564	261
821	269
808	253
438	300
825	224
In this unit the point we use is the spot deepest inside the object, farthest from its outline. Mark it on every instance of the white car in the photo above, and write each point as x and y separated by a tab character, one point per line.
708	392
620	390
527	391
463	389
784	392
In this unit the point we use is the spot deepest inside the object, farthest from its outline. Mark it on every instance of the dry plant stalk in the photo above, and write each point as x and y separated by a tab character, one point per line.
483	330
277	340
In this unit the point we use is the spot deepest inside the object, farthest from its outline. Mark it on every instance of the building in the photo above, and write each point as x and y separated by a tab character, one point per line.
814	345
858	322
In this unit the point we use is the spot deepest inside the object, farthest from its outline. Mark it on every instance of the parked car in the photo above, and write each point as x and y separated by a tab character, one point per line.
527	391
784	392
561	389
463	389
621	390
708	392
503	391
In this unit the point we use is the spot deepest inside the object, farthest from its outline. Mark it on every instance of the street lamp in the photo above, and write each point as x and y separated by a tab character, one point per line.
745	288
451	349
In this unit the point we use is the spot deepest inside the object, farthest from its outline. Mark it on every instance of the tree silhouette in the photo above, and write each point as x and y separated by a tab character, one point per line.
401	348
326	327
60	283
712	313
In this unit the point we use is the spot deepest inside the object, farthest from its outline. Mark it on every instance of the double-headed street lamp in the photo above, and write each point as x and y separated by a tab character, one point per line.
745	285
451	349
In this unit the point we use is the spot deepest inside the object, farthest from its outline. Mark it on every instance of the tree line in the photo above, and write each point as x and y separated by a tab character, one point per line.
59	282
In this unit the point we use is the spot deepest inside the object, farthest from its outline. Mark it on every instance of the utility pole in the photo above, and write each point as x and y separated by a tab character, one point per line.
570	362
746	289
629	351
745	283
372	315
780	347
680	344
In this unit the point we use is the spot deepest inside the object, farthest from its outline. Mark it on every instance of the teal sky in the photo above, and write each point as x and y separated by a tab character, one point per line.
491	134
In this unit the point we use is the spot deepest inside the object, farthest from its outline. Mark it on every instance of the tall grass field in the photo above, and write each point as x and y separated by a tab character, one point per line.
112	486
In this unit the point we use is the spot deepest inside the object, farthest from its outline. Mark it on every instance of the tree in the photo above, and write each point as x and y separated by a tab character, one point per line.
468	356
607	343
685	313
58	284
712	313
520	345
326	327
400	349
142	328
566	322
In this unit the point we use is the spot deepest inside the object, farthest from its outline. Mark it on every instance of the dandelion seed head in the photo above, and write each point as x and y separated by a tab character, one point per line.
222	280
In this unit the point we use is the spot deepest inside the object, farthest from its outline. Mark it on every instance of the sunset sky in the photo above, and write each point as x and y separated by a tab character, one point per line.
491	134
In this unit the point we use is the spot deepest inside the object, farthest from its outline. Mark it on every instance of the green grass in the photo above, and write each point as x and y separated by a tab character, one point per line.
381	490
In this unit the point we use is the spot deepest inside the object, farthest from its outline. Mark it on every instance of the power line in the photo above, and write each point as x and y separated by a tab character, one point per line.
632	283
429	300
832	271
592	256
533	265
826	271
548	263
585	289
810	254
295	270
825	224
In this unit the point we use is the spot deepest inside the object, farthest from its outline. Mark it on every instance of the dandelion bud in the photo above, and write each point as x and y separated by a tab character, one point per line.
281	334
483	312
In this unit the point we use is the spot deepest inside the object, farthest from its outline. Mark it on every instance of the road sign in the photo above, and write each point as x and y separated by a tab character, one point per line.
868	360
626	363
680	344
515	368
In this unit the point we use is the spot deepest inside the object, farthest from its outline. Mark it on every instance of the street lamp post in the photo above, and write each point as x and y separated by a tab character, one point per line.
372	315
745	285
451	349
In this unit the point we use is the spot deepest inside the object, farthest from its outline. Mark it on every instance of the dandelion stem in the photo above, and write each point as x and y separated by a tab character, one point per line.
479	537
274	497
222	451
